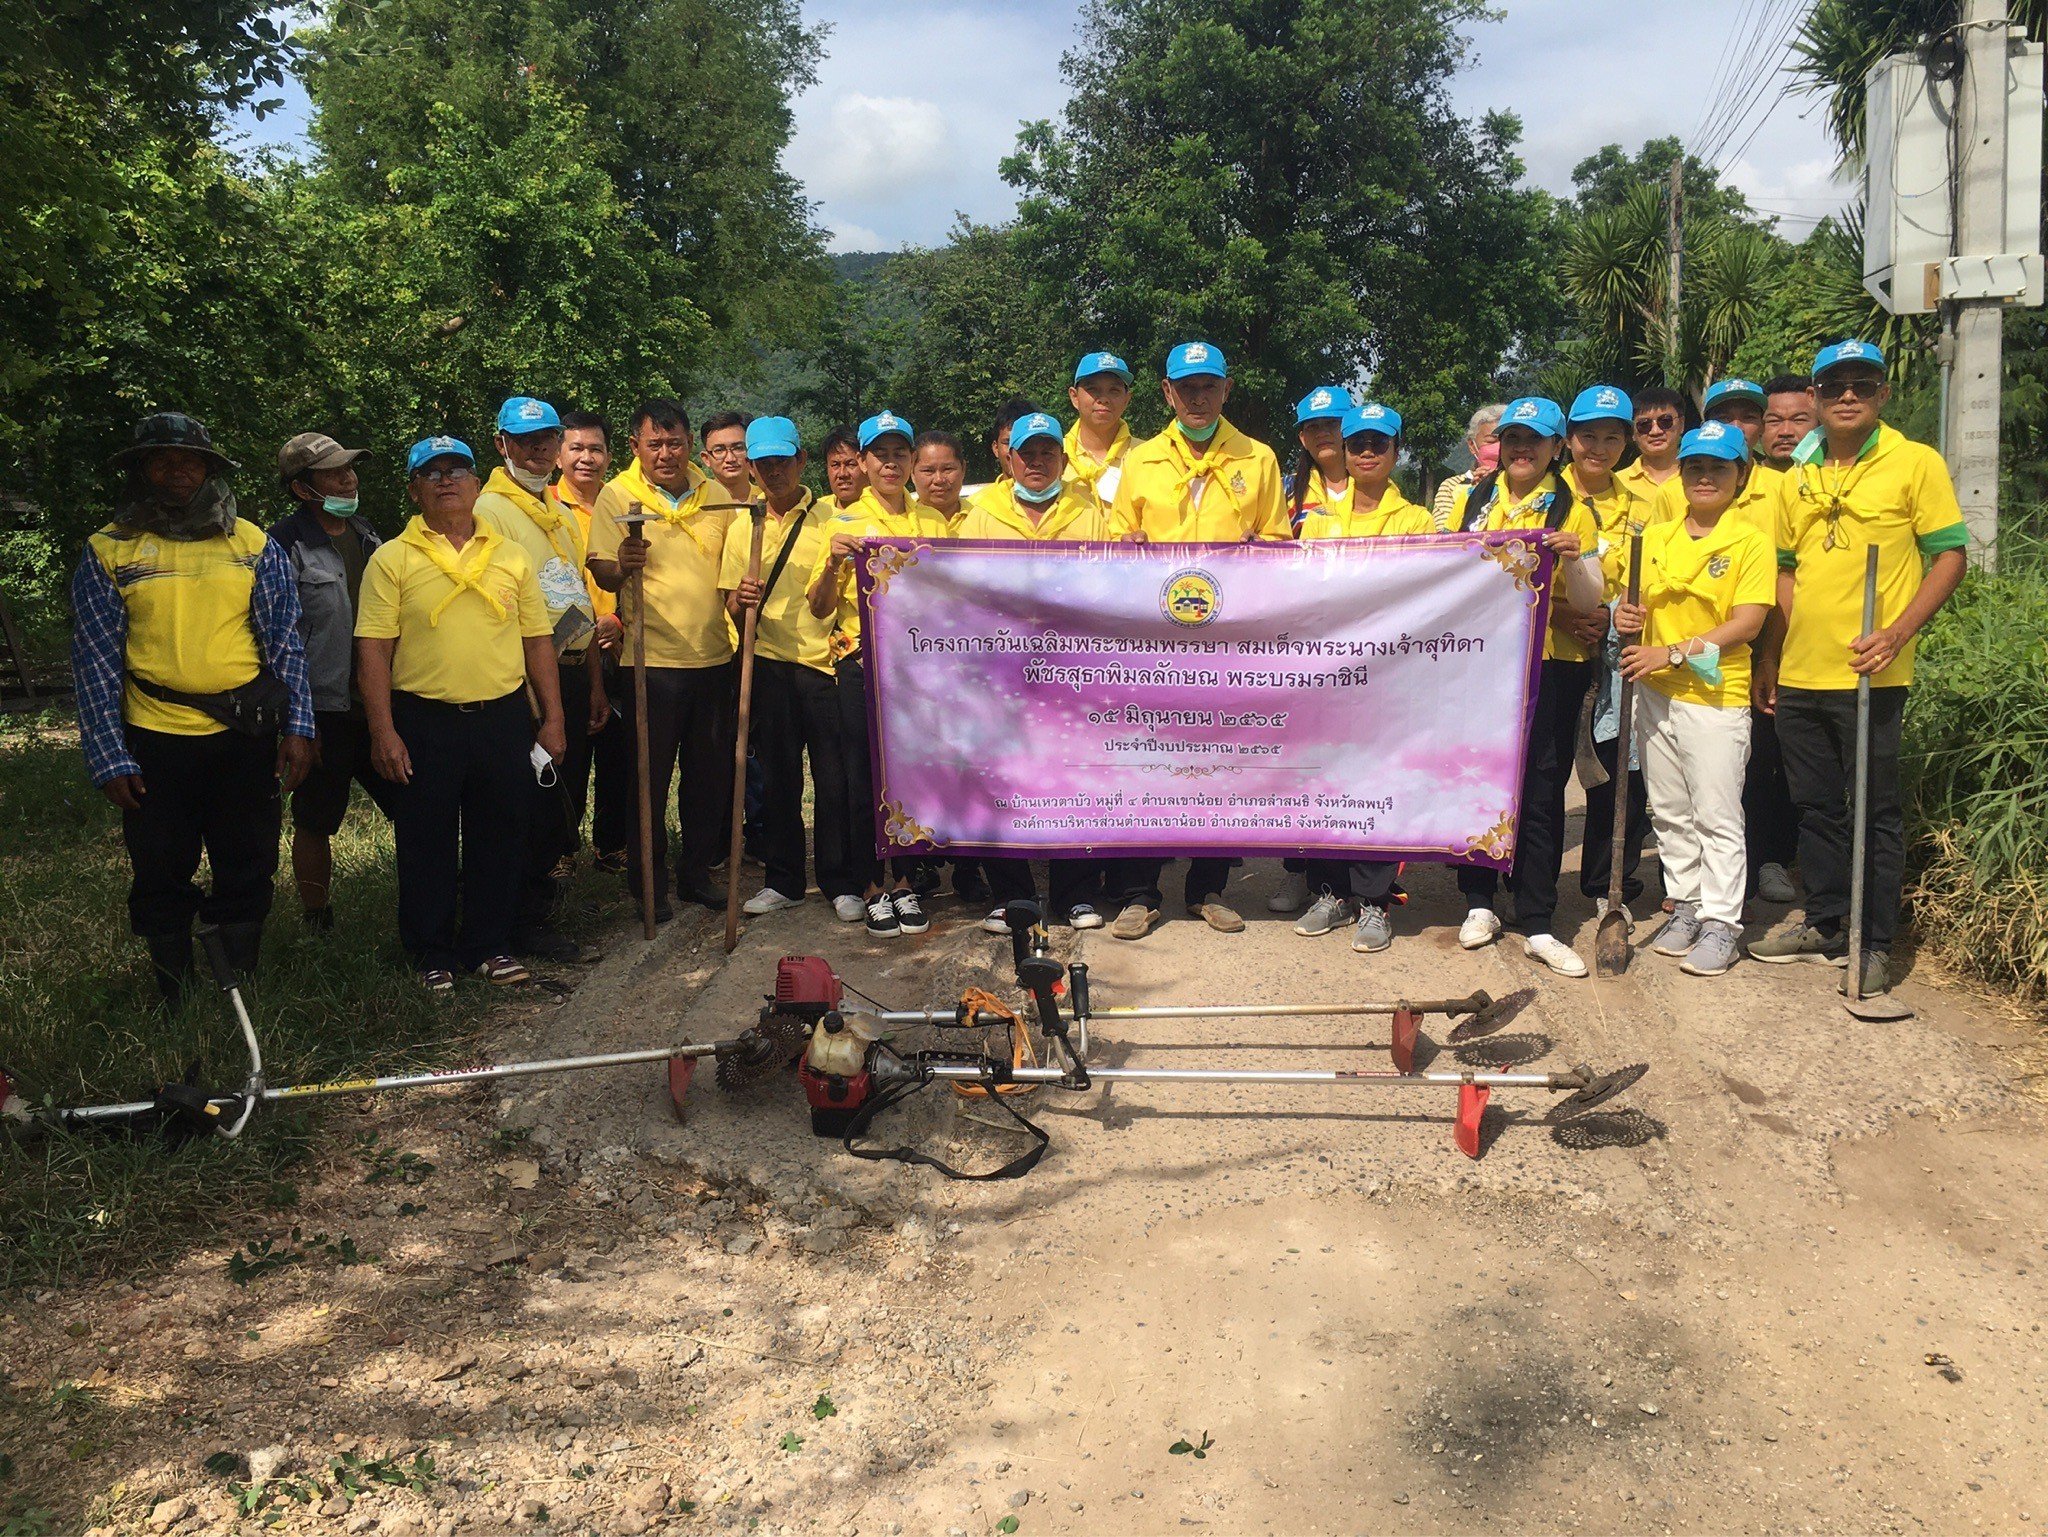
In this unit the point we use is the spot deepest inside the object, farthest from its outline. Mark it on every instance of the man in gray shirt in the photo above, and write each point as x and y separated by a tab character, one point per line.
329	544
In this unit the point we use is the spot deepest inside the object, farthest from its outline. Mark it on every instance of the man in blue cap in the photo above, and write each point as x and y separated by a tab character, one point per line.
1854	483
795	711
515	504
1201	481
1100	438
193	700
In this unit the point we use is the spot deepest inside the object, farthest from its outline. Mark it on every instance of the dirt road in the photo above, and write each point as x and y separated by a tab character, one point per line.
1793	1281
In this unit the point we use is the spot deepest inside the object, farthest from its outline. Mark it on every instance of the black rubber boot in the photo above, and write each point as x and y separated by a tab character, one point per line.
243	943
170	958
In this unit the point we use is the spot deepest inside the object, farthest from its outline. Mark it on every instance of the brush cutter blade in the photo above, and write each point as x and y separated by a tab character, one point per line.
760	1049
1493	1015
1598	1090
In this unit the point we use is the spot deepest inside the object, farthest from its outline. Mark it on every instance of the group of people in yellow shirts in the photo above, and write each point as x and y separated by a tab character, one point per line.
489	644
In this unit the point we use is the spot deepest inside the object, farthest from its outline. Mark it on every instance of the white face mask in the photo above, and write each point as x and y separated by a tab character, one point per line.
534	483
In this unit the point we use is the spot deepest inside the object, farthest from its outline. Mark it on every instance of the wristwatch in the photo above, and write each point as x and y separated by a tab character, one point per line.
1677	656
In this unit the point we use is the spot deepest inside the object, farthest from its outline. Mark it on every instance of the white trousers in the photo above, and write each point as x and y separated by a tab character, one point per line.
1694	757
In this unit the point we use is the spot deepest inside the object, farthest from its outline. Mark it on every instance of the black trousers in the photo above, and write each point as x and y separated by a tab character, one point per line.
1769	819
218	793
460	827
796	712
1817	738
690	725
554	824
1138	880
608	765
1368	882
1069	881
1597	847
1539	840
864	866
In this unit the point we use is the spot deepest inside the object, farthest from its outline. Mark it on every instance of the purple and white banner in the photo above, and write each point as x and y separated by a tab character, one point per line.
1351	698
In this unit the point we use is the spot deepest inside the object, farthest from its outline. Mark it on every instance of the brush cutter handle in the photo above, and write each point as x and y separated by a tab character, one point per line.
1023	916
1038	975
217	958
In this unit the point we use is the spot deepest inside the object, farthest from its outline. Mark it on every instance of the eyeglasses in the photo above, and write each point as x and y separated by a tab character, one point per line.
445	474
728	451
1857	386
1664	421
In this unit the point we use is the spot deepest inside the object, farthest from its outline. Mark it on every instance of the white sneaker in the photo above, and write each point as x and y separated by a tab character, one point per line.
997	922
1480	928
1774	884
1292	896
849	908
767	900
1082	915
1554	953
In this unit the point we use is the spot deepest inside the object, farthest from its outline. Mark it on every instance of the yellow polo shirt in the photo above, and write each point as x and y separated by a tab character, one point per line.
1898	496
1227	493
1074	514
188	618
1637	479
1757	505
562	496
459	641
1345	519
1690	585
687	625
553	540
787	630
1533	511
1617	512
869	518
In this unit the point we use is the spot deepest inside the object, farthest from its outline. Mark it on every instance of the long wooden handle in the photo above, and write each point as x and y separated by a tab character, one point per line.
749	620
642	767
1623	745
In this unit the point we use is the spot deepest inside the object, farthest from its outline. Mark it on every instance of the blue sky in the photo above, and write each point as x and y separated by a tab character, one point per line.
917	101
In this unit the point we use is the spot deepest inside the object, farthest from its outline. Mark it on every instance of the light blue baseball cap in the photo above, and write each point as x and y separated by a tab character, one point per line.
1326	402
442	447
1372	417
1193	359
1102	363
1036	425
523	414
882	425
1847	352
1716	440
1543	417
1732	389
772	437
1603	403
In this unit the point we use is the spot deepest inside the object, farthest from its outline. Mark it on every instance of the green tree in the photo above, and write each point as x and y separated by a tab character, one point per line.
1285	178
687	114
1606	178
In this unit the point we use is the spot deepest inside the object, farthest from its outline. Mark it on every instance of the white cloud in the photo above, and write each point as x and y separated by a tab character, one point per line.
878	143
843	235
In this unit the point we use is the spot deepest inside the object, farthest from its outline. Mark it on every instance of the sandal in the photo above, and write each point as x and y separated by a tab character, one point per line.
503	971
437	979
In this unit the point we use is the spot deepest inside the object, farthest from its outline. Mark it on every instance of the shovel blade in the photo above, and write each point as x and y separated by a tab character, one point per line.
1878	1009
1611	950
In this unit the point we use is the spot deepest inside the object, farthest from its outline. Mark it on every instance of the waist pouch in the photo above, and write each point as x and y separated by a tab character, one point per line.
256	708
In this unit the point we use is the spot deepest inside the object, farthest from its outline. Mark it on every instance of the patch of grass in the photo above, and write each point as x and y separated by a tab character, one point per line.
1976	764
83	1025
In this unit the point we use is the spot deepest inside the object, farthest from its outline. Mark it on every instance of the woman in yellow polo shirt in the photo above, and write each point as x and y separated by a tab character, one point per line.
1526	493
451	634
1709	578
1372	507
884	509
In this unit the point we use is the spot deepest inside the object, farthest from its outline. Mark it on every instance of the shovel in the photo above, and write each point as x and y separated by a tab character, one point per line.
1883	1008
1610	941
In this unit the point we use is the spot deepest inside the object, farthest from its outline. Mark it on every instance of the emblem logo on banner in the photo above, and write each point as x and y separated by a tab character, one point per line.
1190	598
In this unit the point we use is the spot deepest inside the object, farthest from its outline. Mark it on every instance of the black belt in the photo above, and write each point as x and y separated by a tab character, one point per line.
471	707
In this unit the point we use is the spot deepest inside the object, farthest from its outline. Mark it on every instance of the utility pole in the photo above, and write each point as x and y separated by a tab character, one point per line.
1674	254
1975	328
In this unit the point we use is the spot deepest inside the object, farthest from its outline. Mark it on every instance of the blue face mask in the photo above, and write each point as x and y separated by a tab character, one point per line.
338	506
1201	435
1039	498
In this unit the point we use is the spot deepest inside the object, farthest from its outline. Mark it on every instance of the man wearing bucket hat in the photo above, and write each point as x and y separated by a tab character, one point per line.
1200	481
1855	484
515	504
329	544
1100	439
194	705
